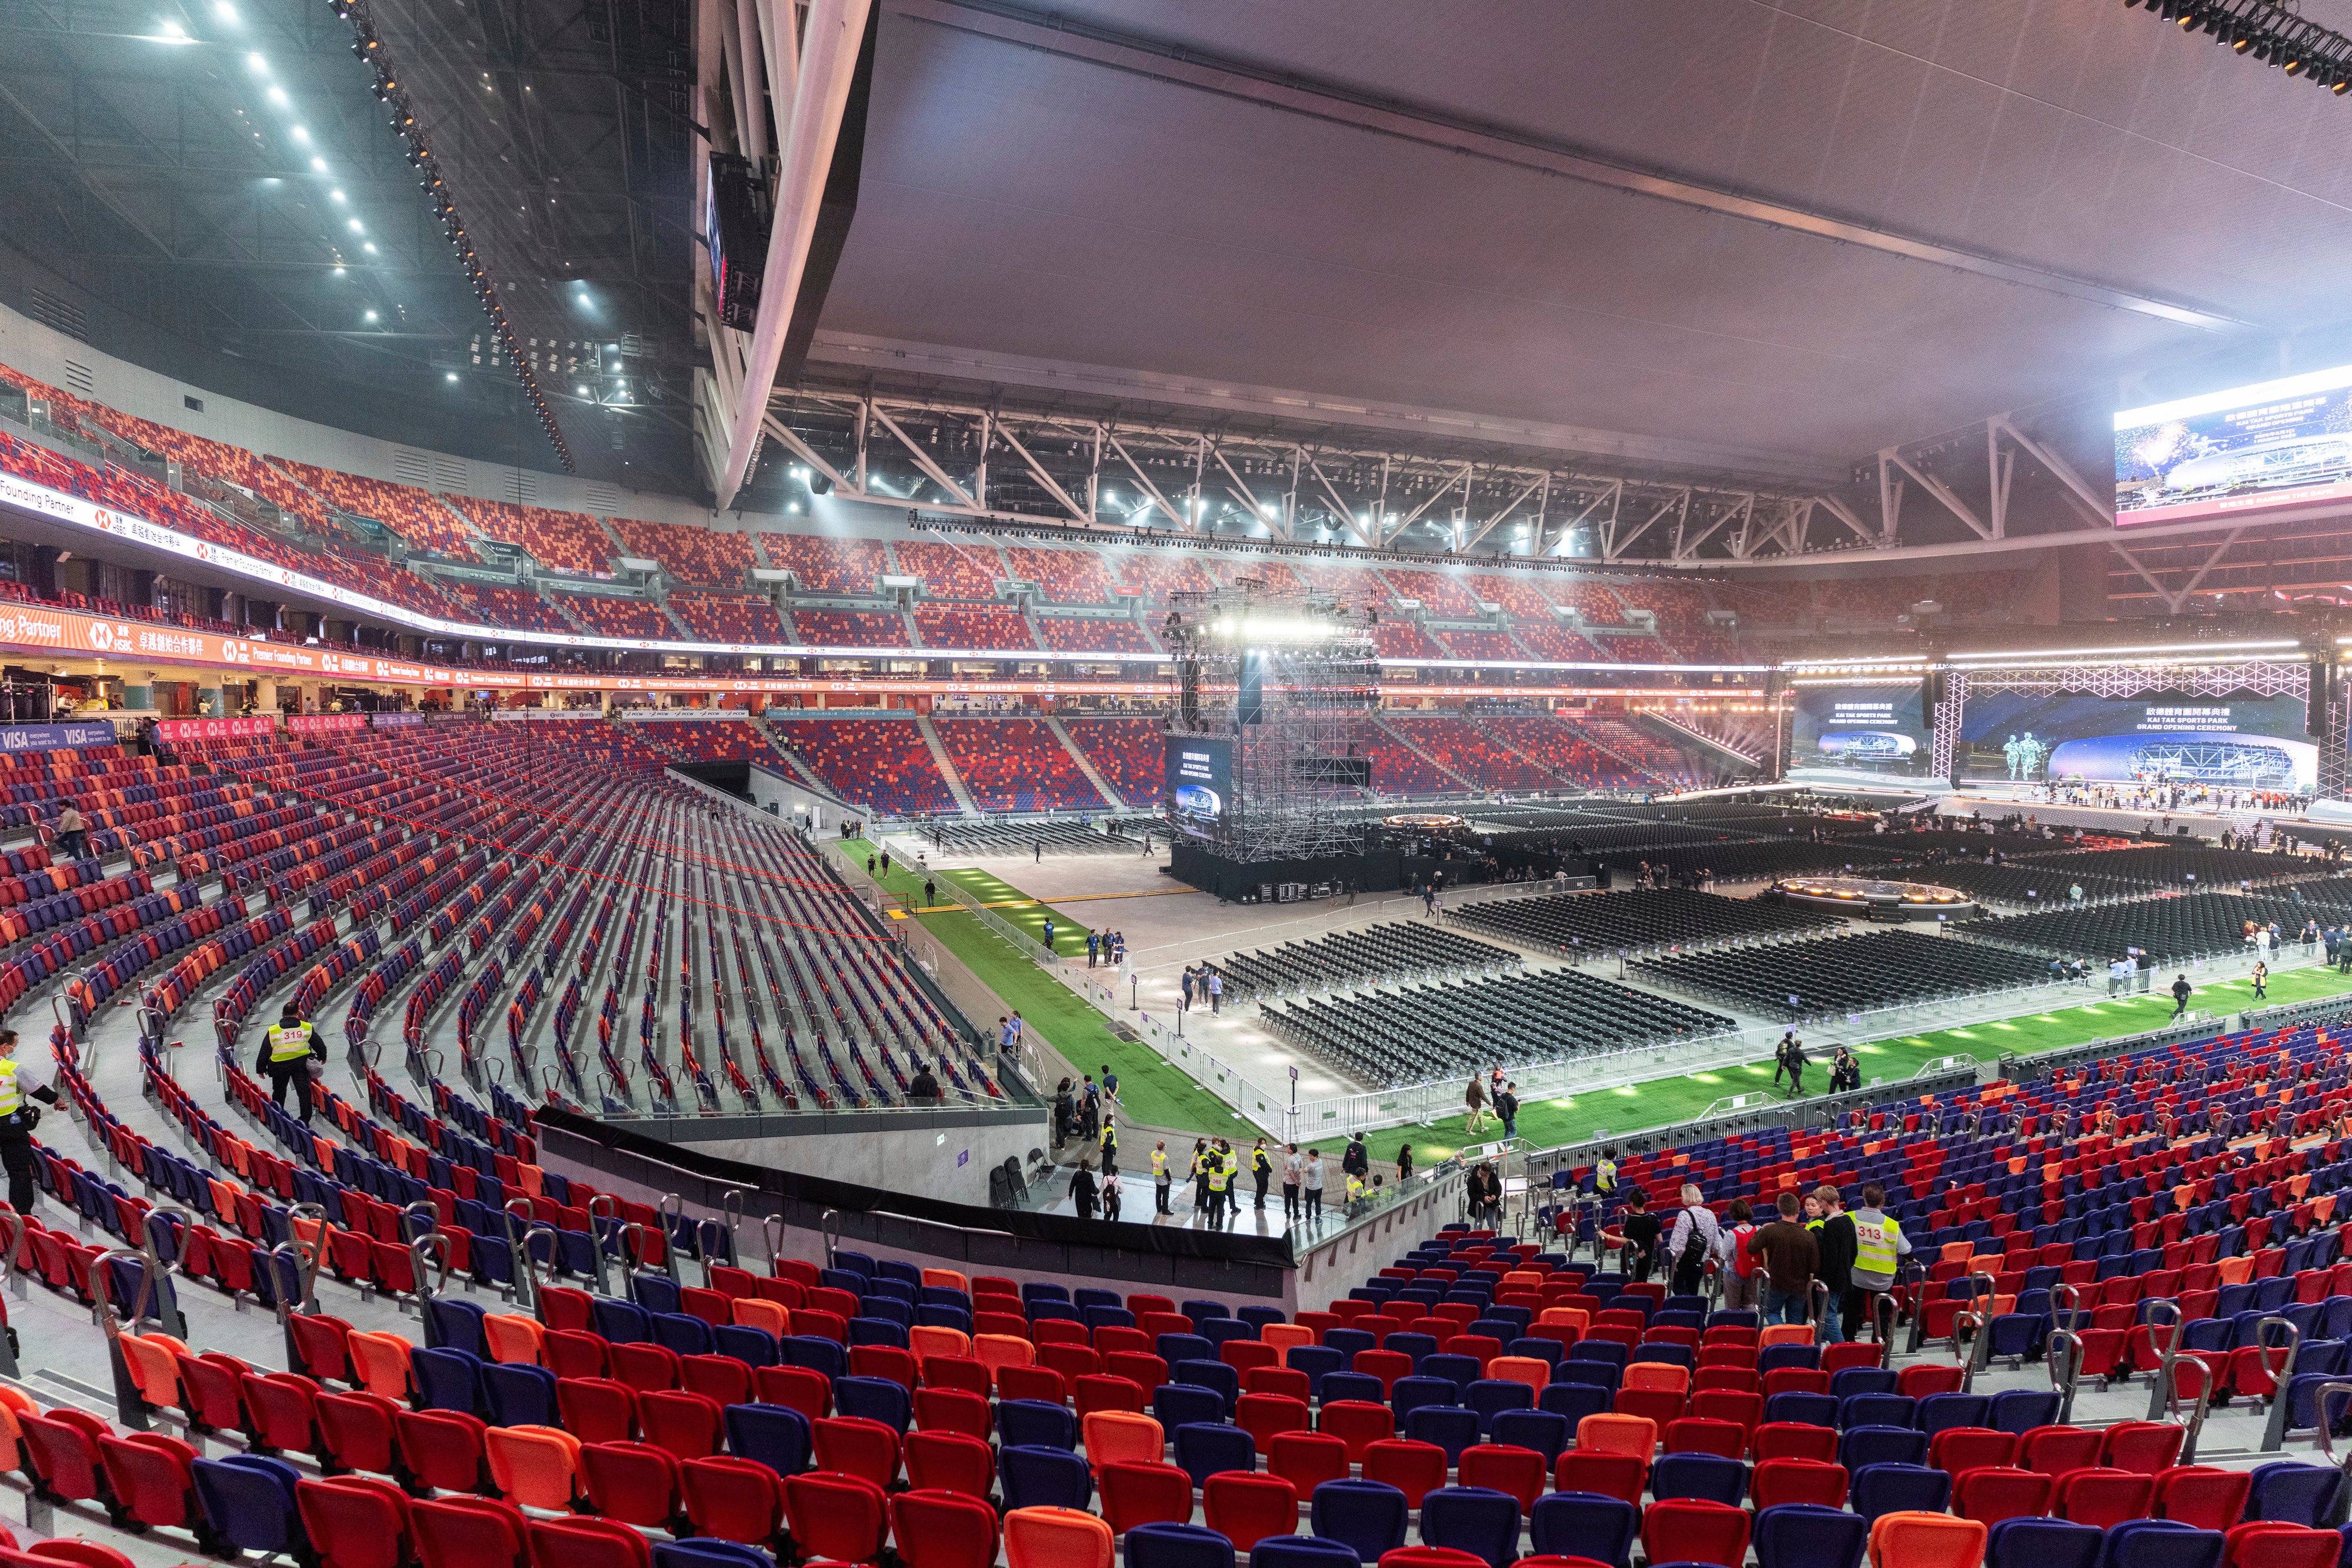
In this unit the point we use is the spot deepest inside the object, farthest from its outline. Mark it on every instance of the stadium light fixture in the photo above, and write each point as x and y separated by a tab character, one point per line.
2268	644
278	96
257	61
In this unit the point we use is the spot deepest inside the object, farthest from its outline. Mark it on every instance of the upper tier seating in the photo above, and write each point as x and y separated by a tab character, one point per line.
973	626
417	515
1554	641
606	616
850	629
1442	595
519	608
822	565
881	762
1064	633
1132	753
1016	765
714	556
950	569
1158	574
1478	643
568	542
730	617
1404	640
1063	576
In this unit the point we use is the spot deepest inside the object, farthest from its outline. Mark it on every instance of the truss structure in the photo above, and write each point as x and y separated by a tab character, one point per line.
2264	677
1291	682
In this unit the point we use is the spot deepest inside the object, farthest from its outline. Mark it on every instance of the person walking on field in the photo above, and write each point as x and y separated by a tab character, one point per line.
1474	1098
2181	991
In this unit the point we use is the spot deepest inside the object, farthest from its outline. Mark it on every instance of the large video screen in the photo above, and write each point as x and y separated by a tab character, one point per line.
2274	444
2237	742
1878	729
1200	783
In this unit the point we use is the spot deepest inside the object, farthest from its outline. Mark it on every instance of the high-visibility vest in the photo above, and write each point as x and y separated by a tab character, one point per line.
1873	1246
1158	1165
1217	1174
1261	1164
11	1097
1355	1188
288	1044
1109	1138
1604	1176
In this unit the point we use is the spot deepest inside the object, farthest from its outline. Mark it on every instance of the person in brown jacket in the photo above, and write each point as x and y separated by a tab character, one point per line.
1789	1256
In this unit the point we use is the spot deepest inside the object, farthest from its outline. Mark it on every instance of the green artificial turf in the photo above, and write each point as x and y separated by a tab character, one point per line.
1160	1095
1154	1093
1885	1064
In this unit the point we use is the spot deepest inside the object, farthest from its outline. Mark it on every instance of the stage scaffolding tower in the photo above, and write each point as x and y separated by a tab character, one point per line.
1291	680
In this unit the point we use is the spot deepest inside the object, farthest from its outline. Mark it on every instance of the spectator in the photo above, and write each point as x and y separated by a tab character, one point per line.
1110	1192
1474	1099
1063	1108
1696	1236
1404	1162
1216	990
922	1086
1879	1244
1604	1172
2261	977
1093	943
1780	1056
1049	933
931	892
1188	988
1733	1266
1082	1190
1314	1183
73	833
1788	1254
2181	990
1109	1084
1506	1106
1640	1228
1846	1074
1356	1160
1484	1192
1834	1245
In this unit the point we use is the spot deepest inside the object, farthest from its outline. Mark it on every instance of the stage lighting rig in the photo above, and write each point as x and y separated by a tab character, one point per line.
2267	31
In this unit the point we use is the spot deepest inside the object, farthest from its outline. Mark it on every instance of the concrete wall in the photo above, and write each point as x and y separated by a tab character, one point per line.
1332	1268
794	800
944	1154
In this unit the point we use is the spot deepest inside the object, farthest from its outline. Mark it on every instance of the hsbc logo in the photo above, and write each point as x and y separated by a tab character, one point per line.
106	637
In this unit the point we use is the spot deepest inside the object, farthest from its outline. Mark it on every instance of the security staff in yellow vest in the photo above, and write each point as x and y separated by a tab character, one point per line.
20	1081
1879	1245
287	1052
1261	1167
1160	1177
1109	1145
1604	1173
1221	1177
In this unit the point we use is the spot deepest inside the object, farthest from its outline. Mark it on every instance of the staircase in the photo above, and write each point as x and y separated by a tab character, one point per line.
947	765
1101	784
1400	740
784	749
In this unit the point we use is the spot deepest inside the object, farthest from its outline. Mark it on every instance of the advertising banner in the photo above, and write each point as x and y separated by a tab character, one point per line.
255	726
318	723
60	736
394	720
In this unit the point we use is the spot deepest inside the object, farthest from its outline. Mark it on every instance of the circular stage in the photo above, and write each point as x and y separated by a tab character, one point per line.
1424	822
1874	898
